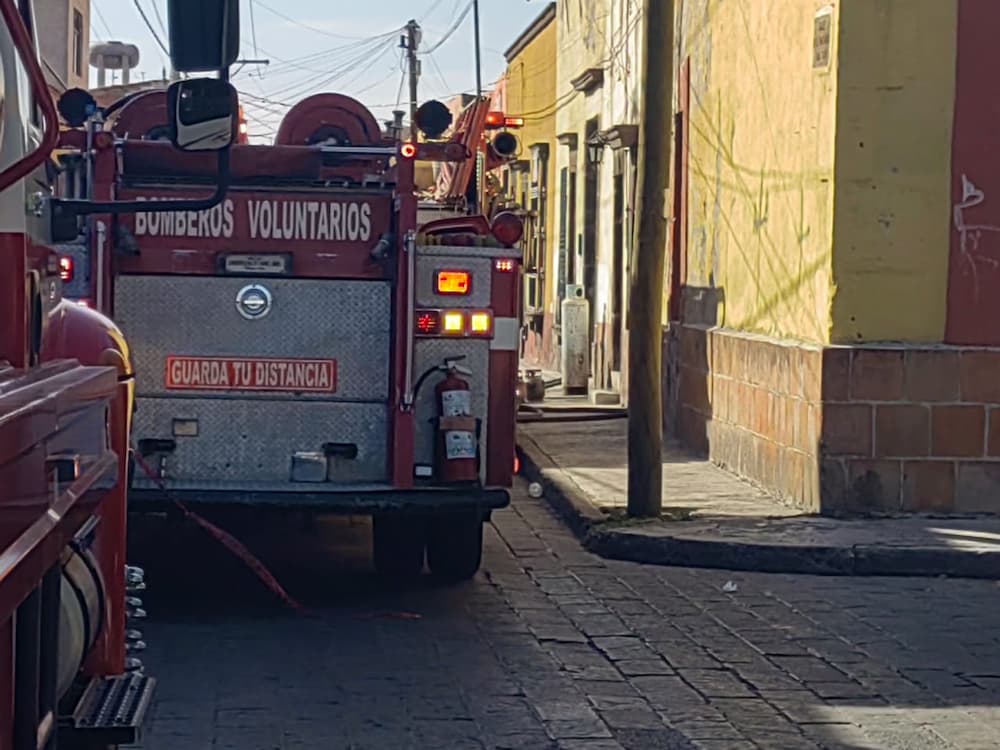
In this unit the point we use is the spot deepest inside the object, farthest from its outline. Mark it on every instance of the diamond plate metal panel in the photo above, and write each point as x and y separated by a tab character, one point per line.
196	316
427	268
430	352
246	444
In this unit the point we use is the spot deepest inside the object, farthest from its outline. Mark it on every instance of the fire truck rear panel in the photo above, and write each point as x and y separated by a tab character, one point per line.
246	438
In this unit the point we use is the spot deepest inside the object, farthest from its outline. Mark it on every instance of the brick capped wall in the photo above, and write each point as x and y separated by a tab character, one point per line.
842	429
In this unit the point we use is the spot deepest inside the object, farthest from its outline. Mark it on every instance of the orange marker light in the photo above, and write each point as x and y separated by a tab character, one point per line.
454	322
453	282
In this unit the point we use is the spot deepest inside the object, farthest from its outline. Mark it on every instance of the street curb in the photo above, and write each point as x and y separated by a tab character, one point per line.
560	492
586	522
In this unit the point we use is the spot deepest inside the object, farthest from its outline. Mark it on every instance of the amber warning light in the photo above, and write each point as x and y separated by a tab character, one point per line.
453	282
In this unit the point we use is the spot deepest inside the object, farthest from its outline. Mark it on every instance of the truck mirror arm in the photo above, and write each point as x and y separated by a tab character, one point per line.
84	207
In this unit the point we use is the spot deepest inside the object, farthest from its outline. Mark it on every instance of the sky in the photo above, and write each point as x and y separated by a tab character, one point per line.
346	46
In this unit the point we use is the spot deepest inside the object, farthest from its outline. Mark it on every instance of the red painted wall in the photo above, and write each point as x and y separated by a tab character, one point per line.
974	261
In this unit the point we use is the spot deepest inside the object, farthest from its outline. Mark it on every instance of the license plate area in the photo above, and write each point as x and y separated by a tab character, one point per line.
277	264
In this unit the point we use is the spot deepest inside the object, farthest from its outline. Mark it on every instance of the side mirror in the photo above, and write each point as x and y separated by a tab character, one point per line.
204	34
204	114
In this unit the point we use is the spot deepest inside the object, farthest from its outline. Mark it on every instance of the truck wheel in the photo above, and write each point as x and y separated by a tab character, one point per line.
398	546
455	546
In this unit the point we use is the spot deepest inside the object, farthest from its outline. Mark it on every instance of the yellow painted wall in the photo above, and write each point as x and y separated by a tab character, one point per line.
761	163
531	87
892	198
531	93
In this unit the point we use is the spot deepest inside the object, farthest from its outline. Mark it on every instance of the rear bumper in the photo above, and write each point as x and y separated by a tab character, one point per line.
365	502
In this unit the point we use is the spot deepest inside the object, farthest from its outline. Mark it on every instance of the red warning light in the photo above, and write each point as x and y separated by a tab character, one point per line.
408	150
428	322
495	119
66	268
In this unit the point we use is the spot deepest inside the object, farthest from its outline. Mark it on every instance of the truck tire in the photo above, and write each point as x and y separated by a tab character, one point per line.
455	546
398	547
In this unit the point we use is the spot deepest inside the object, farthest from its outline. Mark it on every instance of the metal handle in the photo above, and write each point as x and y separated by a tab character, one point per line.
411	262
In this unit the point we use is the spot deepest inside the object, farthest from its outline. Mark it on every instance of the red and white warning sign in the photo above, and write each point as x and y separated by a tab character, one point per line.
251	374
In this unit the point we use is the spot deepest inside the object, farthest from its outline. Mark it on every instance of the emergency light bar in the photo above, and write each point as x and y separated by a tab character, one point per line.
454	323
495	119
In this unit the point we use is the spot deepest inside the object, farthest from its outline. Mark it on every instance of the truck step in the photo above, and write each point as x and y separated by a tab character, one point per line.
113	708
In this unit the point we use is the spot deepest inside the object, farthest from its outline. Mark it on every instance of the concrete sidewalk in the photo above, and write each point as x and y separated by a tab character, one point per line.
713	519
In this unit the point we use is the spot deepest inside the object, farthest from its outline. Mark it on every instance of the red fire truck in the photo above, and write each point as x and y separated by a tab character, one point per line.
69	677
66	676
305	343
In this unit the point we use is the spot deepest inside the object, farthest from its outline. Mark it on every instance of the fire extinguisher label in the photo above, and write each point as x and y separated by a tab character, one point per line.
459	445
456	403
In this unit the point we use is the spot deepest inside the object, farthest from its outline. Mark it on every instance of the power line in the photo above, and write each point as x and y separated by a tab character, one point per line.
365	56
159	18
152	30
253	30
452	29
315	29
101	18
437	70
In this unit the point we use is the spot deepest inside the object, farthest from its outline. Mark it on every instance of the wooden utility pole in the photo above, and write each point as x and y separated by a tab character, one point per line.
413	65
645	352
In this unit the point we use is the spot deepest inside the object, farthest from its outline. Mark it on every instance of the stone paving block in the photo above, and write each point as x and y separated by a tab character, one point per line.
634	717
644	667
810	669
653	739
577	729
473	673
716	683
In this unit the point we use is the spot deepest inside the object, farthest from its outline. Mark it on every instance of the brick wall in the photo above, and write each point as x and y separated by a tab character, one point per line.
753	405
916	429
842	429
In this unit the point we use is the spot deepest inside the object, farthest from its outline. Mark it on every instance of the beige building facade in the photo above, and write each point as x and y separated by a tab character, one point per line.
63	28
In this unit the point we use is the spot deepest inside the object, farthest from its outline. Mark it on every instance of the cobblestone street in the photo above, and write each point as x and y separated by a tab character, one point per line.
552	647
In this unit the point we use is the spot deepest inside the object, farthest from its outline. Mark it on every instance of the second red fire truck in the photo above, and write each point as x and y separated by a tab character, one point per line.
305	344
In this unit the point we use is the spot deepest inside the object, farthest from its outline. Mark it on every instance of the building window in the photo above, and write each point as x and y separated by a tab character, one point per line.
77	42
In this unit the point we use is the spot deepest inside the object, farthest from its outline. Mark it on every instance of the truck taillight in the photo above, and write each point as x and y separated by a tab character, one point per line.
454	323
428	322
66	269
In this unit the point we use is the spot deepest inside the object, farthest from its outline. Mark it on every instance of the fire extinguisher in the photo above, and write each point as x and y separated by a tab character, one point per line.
456	447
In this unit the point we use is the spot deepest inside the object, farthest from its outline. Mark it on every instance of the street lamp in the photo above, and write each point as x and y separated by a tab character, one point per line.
595	150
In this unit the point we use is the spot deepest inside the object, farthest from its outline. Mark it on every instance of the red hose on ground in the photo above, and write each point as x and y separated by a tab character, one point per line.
227	540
